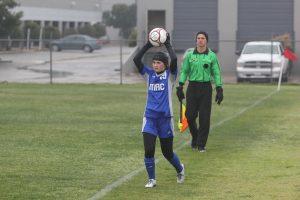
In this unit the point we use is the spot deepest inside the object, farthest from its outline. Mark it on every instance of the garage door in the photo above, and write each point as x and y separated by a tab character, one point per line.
262	19
191	16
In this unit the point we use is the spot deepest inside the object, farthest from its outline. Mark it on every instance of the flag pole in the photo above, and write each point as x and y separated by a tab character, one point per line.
280	78
180	110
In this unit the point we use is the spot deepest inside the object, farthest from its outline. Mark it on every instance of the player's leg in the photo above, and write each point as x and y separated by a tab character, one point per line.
149	147
166	132
149	136
167	150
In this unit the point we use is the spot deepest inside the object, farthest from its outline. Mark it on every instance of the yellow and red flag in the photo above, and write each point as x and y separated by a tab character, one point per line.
182	123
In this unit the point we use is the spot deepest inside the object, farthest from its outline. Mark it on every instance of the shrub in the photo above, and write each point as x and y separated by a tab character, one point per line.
132	38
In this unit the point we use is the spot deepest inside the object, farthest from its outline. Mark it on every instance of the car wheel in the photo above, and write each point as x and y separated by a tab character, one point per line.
55	47
285	78
87	48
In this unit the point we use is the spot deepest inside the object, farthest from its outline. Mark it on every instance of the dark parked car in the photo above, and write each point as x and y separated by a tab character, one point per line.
83	42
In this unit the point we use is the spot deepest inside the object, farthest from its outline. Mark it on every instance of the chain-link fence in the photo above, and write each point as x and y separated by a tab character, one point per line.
35	62
72	62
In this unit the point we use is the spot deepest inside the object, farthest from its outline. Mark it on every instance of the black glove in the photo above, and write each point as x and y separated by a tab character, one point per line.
180	93
148	44
219	95
168	42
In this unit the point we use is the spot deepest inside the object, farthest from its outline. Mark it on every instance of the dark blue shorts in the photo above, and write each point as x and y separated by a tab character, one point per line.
161	127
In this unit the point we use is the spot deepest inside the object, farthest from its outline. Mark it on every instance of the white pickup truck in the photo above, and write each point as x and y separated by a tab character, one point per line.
256	63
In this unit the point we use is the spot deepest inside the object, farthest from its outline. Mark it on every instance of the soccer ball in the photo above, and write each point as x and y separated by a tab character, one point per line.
157	36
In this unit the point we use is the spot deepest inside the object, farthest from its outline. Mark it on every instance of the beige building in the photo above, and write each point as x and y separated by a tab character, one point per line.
65	14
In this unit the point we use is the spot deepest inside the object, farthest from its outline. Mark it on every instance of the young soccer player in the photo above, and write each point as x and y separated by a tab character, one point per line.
158	116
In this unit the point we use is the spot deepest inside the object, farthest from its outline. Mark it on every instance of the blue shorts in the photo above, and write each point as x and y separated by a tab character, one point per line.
161	127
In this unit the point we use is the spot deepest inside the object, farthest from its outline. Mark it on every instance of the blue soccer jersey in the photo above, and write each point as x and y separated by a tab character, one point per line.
159	95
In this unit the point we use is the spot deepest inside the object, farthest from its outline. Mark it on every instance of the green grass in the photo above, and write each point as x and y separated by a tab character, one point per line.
70	141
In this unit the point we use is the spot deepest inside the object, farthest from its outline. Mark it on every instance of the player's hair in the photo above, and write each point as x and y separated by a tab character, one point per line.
203	33
161	56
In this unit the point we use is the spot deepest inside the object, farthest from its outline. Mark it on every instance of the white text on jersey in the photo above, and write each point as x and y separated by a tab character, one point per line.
157	87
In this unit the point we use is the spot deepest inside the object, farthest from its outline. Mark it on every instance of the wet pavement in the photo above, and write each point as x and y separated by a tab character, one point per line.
101	66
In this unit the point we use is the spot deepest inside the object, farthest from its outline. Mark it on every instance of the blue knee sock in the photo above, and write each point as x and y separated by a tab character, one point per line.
150	167
176	163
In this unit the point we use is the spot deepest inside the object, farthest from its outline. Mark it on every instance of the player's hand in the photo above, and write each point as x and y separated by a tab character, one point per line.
219	95
148	44
180	93
168	40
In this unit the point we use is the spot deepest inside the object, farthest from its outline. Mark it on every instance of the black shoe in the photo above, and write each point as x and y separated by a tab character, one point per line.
194	147
202	149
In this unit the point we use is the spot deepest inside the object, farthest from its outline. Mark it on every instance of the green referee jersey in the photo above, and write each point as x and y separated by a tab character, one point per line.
201	67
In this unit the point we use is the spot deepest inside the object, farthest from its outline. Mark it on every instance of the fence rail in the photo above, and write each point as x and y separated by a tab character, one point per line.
29	61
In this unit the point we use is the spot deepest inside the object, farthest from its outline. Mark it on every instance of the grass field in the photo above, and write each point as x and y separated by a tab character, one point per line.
70	141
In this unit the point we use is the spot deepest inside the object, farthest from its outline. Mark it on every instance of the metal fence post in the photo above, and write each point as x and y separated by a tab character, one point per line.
271	60
41	38
50	47
28	39
121	61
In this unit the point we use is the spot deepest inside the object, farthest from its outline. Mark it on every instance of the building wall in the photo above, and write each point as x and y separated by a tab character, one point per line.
142	21
192	16
58	14
83	5
77	12
227	24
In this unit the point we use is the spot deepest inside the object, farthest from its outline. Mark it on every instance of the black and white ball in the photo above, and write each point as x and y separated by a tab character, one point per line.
157	36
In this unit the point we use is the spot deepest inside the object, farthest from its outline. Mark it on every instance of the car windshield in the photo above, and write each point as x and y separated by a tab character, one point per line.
250	49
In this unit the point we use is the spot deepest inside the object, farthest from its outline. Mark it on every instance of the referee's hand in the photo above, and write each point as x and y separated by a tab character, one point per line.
180	93
219	95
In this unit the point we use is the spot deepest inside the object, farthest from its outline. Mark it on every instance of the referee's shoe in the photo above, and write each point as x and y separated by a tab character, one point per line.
202	149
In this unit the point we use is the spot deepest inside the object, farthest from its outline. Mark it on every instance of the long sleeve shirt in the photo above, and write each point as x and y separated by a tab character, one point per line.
201	67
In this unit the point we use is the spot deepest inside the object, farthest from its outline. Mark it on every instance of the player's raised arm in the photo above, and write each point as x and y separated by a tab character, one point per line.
138	57
173	63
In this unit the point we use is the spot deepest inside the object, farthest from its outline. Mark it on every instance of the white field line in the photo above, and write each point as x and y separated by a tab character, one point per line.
132	174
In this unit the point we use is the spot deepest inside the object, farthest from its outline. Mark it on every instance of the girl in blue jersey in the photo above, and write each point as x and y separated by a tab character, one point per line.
158	116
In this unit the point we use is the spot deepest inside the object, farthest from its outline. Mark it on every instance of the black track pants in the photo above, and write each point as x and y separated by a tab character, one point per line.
198	104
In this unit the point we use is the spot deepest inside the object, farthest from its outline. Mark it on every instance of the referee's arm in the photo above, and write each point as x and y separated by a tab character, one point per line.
216	72
184	70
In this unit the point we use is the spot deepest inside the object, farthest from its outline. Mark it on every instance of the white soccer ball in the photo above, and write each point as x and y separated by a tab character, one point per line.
157	36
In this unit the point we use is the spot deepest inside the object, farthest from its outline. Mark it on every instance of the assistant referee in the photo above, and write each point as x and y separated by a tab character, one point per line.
200	67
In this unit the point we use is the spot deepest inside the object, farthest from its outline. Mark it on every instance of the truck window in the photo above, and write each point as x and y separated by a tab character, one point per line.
259	48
